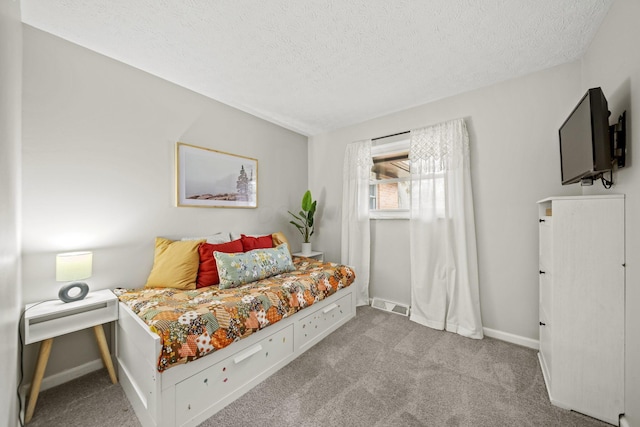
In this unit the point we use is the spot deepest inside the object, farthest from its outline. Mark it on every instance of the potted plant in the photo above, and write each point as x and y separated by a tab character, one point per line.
304	220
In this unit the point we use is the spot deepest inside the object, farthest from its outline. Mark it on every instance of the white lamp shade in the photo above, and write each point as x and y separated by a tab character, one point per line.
72	266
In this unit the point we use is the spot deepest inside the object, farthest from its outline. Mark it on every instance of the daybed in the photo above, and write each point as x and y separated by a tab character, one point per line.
185	354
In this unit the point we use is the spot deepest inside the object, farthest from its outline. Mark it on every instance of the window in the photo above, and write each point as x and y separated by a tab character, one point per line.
390	181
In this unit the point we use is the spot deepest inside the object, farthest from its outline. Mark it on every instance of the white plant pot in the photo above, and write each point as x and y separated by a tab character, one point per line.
306	249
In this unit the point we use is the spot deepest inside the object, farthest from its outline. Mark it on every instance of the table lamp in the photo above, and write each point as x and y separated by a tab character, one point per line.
71	267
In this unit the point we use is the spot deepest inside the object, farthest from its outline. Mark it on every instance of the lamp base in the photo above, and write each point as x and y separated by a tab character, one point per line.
74	291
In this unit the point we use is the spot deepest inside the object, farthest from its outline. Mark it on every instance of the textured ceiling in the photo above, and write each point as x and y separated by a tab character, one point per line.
317	65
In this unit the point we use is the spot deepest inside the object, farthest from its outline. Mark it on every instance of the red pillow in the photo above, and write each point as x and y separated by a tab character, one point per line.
251	243
208	270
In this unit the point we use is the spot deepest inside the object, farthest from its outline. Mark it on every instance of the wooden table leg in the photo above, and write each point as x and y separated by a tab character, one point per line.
104	352
43	358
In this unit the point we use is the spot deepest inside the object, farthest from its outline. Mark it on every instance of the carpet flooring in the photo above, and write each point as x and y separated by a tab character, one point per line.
379	369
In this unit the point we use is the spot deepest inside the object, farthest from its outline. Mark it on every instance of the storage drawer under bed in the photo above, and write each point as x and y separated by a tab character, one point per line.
200	391
316	324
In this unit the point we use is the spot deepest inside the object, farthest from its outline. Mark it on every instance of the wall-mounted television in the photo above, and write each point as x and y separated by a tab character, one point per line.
585	144
589	146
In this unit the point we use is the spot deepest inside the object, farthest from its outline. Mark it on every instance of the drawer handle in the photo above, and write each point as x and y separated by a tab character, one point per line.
541	272
247	354
330	308
543	324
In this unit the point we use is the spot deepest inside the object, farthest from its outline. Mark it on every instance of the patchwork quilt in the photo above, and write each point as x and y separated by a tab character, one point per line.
194	323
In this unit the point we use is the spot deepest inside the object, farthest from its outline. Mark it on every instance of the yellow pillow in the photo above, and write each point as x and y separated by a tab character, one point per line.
279	238
175	264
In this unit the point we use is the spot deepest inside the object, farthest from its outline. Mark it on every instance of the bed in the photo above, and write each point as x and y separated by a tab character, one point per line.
183	355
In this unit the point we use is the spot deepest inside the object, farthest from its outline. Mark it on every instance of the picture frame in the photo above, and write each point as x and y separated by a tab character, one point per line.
208	178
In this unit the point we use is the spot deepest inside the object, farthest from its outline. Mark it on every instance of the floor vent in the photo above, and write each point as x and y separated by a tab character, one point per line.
391	307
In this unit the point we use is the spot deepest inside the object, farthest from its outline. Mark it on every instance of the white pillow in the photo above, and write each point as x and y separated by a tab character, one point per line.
214	239
236	236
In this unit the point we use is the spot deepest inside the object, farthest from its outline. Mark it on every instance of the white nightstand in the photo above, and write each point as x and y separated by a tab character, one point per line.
46	320
314	254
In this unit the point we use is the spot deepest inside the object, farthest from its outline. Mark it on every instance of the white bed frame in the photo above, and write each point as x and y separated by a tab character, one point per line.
188	394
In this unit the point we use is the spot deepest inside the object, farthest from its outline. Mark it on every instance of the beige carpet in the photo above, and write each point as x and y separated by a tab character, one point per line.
379	369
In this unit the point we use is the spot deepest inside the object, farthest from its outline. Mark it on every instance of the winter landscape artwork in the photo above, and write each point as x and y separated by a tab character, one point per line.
211	178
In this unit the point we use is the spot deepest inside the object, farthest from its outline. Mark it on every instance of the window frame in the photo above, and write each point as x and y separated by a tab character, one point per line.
386	148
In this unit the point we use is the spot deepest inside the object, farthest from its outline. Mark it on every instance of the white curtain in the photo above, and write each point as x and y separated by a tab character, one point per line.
444	264
355	215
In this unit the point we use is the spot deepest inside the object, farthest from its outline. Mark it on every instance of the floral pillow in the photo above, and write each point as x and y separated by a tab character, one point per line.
241	268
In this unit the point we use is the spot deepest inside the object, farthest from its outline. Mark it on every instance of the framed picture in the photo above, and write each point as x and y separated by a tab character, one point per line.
214	179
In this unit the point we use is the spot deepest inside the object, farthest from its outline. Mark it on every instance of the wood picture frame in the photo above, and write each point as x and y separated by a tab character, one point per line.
210	178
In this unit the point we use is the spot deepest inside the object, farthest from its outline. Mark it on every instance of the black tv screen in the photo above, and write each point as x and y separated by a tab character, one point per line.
585	147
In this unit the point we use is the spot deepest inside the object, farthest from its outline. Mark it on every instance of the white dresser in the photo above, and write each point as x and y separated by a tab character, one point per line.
582	281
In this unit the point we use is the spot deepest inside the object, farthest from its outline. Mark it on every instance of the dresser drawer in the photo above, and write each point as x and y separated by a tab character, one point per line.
545	344
200	391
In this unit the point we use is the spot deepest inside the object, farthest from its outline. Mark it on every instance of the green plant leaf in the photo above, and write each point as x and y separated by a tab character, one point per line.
296	216
312	210
296	224
299	227
306	201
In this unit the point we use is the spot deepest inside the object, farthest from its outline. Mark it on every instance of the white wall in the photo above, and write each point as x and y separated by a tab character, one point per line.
613	63
98	171
10	128
514	163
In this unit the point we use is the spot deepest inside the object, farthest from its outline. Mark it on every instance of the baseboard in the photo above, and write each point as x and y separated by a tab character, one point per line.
68	375
506	336
512	338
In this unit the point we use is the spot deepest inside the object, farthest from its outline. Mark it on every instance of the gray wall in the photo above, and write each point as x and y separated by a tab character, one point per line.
389	241
514	163
10	128
98	172
613	63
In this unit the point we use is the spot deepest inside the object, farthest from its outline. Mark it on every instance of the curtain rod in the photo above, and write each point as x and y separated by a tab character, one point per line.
389	136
